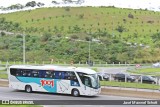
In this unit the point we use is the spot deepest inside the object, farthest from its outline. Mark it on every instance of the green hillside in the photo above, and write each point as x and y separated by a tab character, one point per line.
113	27
62	20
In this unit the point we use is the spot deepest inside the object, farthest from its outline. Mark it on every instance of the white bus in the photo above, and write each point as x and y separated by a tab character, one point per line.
55	79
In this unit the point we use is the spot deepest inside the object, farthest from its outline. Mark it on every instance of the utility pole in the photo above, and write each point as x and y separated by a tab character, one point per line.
89	52
24	49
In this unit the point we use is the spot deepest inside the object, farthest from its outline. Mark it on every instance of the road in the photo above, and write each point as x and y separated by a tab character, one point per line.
112	70
11	94
7	93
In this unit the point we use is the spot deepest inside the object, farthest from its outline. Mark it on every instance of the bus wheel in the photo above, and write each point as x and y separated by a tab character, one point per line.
75	93
28	89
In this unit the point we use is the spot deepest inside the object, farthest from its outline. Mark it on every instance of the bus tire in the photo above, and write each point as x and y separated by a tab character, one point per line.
28	88
75	92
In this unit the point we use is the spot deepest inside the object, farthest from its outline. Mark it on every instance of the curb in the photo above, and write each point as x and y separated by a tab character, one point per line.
4	83
130	93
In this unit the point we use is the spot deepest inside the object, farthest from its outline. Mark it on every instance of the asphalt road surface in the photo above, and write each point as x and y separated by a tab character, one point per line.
11	94
112	70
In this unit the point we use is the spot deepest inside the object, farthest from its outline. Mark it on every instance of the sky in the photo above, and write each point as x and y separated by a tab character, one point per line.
133	4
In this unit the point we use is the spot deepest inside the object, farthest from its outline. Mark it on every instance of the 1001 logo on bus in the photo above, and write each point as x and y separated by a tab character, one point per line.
47	82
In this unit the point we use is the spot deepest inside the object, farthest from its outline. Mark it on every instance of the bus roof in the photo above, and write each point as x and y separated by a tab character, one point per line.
53	67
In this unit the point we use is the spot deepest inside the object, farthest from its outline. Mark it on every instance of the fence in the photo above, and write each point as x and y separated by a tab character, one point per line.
138	83
96	64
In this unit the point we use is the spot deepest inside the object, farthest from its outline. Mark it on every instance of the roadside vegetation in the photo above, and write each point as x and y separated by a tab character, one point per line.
63	34
130	85
146	71
3	76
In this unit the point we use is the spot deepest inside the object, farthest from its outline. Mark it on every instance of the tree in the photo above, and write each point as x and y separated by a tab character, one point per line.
67	8
76	28
74	37
156	37
16	25
46	37
81	16
2	20
120	28
31	4
3	34
130	16
39	4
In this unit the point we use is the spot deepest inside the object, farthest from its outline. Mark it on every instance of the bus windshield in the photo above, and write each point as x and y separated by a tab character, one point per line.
90	80
94	81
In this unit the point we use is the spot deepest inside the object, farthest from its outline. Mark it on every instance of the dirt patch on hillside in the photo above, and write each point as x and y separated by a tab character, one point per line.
131	93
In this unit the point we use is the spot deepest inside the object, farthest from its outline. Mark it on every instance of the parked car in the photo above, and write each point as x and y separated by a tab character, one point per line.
122	76
147	79
156	65
103	76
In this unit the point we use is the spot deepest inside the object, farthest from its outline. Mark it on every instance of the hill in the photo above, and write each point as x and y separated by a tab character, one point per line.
138	30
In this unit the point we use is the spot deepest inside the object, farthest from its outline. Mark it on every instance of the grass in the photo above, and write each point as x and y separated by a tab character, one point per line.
130	85
146	71
93	18
95	69
3	76
153	70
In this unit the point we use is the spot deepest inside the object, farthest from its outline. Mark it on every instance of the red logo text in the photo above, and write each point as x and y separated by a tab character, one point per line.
47	82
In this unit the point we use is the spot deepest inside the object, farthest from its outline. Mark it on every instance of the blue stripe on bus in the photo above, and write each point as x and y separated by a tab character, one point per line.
48	88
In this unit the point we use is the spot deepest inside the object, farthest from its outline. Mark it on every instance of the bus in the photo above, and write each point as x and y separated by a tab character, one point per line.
54	79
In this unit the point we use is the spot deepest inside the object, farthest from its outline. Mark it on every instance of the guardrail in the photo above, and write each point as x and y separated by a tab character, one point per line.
96	64
137	77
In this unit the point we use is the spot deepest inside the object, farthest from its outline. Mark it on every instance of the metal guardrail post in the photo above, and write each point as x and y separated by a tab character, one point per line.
141	78
7	64
110	75
125	78
106	63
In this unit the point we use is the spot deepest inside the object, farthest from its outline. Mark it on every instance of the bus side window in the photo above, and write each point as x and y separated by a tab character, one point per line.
67	75
19	72
73	76
29	73
63	75
35	73
48	74
87	81
53	74
42	73
13	71
57	74
24	73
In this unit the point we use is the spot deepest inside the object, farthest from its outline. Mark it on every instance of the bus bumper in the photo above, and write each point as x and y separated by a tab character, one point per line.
95	91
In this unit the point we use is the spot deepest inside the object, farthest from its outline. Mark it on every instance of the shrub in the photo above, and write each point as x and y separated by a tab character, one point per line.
120	29
81	16
3	33
150	21
130	16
